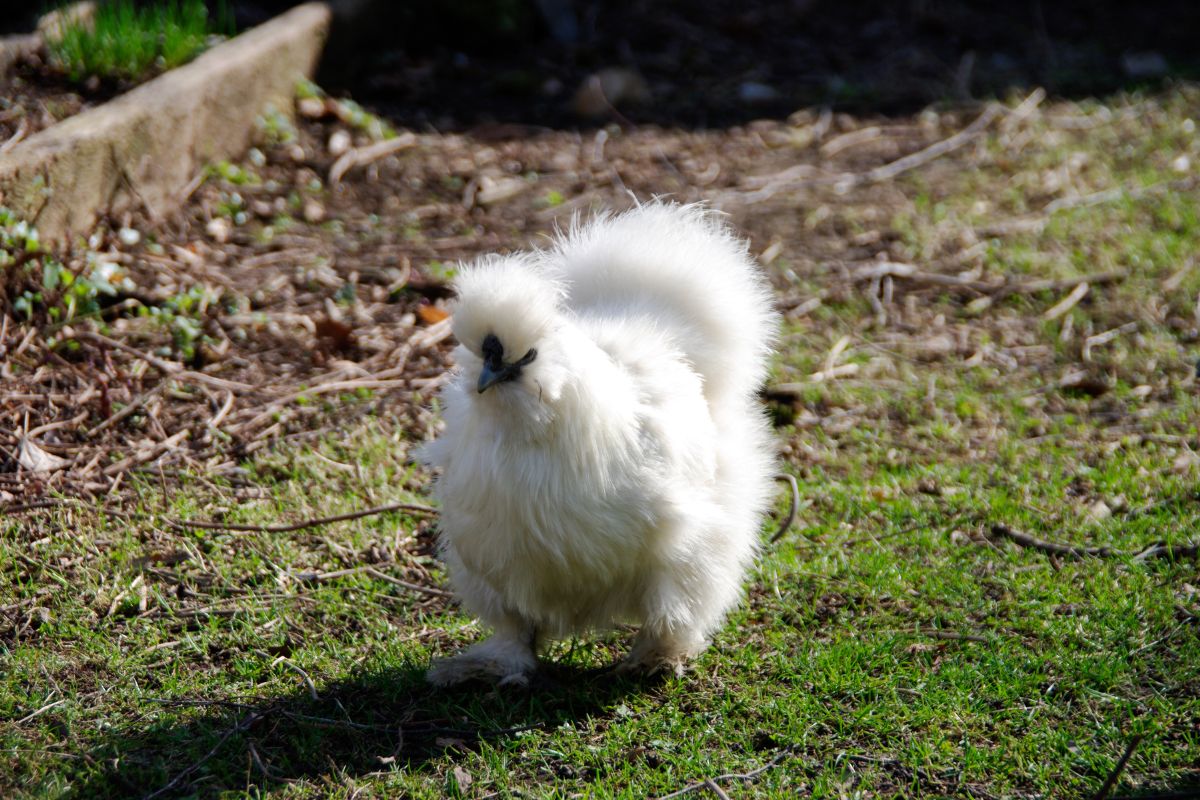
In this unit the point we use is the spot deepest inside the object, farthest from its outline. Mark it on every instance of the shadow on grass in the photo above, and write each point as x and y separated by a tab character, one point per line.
372	723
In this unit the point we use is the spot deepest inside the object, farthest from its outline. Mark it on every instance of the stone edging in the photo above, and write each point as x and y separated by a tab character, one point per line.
143	148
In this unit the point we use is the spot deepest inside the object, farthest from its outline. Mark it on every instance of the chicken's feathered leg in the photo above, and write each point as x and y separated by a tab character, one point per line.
508	655
671	634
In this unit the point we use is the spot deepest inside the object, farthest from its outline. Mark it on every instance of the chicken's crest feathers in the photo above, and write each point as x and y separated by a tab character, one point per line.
510	297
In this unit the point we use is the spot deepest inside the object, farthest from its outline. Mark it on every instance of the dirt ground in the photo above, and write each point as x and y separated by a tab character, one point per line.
293	277
295	281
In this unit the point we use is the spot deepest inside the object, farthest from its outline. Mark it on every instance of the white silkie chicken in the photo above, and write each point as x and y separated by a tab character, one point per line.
604	458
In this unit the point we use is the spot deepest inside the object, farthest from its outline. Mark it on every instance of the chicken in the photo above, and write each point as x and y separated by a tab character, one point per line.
604	458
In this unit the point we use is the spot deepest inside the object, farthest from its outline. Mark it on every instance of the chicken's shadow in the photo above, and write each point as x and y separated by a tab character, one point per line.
373	722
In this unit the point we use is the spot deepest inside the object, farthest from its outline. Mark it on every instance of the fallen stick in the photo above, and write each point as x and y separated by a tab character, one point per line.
245	724
334	386
952	636
128	409
361	156
840	371
807	175
308	682
712	786
933	151
1154	550
170	368
1105	338
793	508
1003	288
708	783
1067	303
308	523
1036	222
165	367
416	587
374	573
1111	781
15	139
141	458
1061	284
1054	548
1170	551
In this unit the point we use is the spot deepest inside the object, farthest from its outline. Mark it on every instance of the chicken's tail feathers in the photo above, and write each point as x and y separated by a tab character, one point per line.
683	267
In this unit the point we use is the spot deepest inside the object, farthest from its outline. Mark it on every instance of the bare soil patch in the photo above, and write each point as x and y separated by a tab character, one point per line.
31	101
305	285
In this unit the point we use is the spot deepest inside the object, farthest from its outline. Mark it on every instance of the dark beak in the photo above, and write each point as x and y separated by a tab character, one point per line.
489	377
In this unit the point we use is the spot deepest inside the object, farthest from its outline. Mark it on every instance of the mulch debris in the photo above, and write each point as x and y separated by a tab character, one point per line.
305	286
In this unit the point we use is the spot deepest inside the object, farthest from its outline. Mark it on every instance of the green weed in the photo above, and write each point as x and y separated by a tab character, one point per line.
128	41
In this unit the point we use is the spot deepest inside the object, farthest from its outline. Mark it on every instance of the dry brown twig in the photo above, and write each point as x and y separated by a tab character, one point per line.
375	573
1000	289
793	507
308	523
708	783
170	368
361	156
807	175
1154	550
1037	221
243	725
952	636
117	469
1113	776
15	139
1067	303
308	682
931	153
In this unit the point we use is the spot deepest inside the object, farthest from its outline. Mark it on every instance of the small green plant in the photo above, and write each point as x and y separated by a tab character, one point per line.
36	285
180	316
274	128
127	42
232	173
441	271
348	112
20	250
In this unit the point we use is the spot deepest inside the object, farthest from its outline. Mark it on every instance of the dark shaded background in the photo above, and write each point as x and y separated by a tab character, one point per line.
455	64
466	62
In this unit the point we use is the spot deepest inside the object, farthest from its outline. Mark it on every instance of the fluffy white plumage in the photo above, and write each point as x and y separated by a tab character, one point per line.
620	472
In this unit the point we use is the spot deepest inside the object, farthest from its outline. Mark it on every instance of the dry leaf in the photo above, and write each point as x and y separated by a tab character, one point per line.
334	335
1099	511
1077	380
462	778
35	459
497	190
1186	461
431	315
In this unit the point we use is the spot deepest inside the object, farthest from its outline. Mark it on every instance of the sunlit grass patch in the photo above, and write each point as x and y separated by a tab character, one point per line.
129	41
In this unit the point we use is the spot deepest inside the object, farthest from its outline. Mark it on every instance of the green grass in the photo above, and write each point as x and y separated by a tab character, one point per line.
838	658
888	646
126	41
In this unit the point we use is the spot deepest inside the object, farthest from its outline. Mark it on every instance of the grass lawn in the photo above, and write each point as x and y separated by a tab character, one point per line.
892	645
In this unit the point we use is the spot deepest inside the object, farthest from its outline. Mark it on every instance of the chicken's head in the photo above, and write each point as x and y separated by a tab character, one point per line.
506	319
